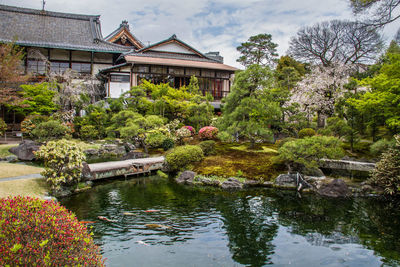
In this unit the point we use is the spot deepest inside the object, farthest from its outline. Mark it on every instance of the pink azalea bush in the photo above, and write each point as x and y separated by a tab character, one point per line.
208	132
34	232
190	128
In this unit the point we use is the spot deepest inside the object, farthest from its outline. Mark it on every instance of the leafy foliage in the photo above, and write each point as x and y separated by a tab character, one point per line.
381	146
250	109
63	163
208	147
35	232
30	122
89	132
50	130
310	150
167	144
387	170
259	49
306	132
38	99
3	127
181	157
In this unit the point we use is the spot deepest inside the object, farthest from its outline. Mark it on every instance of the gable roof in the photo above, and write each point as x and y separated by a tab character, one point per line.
123	31
173	39
32	27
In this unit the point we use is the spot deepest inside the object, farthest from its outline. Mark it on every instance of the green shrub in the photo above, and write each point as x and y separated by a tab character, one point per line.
283	141
49	130
306	132
63	163
89	132
155	140
35	232
30	122
225	136
387	171
310	150
167	144
3	127
208	147
325	131
182	156
381	146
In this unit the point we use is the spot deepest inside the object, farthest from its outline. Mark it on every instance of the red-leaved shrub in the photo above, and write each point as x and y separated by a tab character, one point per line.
34	232
208	132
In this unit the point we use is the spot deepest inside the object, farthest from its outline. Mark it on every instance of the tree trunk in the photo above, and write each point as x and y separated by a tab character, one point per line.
320	120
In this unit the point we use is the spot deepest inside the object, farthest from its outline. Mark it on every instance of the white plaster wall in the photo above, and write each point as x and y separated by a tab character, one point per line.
117	89
172	47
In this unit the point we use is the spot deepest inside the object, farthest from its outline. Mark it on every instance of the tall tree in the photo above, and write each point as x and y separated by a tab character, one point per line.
377	12
259	49
336	41
250	108
11	73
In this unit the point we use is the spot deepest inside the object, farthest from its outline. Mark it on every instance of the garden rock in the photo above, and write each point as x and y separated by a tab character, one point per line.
135	155
186	177
336	188
251	183
206	181
129	147
11	158
286	180
25	150
231	183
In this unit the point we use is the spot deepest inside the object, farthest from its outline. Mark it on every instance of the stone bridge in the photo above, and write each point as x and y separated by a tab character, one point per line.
346	165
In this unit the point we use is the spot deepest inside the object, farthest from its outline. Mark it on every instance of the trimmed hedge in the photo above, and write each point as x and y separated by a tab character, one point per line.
208	147
182	156
34	232
306	132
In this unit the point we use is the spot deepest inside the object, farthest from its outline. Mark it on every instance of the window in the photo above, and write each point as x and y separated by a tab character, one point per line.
208	73
141	69
224	75
36	66
120	78
159	69
81	67
58	67
176	71
195	72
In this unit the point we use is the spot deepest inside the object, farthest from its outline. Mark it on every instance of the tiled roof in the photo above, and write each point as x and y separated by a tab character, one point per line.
124	28
39	28
177	62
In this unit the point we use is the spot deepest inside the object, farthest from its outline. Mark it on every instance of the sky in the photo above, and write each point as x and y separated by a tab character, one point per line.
207	25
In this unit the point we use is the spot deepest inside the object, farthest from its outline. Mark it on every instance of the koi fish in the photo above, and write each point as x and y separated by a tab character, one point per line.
129	214
106	219
86	222
142	243
151	210
153	225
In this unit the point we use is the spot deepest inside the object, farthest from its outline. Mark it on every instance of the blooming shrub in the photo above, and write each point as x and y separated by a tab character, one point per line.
63	163
191	129
3	127
182	156
30	123
35	232
208	132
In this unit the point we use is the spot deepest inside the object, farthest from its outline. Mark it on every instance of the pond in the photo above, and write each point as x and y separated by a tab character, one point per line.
209	227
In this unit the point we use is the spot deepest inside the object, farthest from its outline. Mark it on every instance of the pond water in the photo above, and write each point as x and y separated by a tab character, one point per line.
209	227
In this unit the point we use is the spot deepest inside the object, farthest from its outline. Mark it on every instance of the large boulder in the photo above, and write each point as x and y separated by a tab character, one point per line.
186	177
25	150
231	183
336	188
286	180
135	155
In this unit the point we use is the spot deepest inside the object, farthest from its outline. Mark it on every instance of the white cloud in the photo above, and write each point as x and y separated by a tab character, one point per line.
208	25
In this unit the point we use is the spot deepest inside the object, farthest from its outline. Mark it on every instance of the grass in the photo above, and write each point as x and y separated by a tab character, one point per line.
260	163
4	150
12	170
23	187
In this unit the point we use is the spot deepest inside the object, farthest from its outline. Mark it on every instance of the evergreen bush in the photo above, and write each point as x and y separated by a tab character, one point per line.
306	132
49	130
34	232
167	144
208	147
89	132
181	157
381	146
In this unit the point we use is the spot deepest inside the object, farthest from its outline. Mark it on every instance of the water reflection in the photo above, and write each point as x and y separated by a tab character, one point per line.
253	228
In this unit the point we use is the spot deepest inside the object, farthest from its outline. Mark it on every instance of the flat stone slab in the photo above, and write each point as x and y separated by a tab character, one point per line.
346	165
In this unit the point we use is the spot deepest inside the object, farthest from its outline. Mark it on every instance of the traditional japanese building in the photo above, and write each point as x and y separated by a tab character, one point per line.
72	41
67	41
169	61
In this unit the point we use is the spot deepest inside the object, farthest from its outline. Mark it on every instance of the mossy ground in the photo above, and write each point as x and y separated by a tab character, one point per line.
231	159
